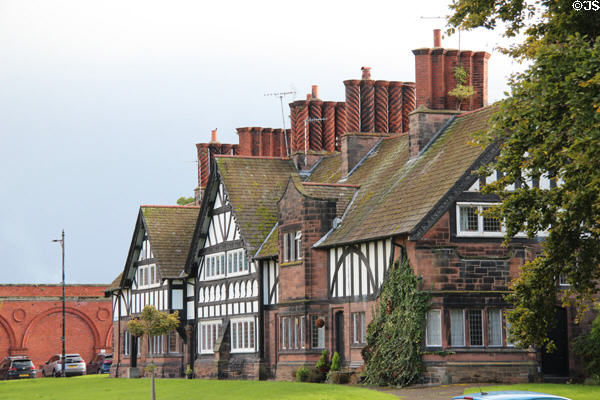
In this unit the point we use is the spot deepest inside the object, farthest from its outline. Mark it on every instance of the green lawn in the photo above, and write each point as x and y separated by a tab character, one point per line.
574	392
101	387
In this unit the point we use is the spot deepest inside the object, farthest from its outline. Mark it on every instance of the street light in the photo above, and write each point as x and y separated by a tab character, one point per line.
62	338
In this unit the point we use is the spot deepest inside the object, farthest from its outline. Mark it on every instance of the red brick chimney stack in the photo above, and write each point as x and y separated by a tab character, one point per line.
437	38
315	91
213	136
434	71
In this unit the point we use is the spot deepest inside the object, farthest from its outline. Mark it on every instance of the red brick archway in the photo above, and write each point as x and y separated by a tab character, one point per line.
30	320
7	341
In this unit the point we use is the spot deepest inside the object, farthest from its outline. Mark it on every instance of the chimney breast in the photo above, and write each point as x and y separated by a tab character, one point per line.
437	38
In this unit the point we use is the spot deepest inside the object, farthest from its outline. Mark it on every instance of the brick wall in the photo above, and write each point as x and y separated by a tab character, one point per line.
31	321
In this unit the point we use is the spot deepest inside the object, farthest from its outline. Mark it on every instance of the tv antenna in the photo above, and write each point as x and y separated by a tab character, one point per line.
281	95
423	17
306	122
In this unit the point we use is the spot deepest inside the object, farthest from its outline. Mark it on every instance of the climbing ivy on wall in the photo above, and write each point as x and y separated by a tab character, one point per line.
395	336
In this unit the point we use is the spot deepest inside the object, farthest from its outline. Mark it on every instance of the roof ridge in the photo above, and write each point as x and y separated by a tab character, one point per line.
396	136
253	157
474	111
330	184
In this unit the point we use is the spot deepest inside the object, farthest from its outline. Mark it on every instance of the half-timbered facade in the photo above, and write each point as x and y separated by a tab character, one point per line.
288	255
152	276
228	319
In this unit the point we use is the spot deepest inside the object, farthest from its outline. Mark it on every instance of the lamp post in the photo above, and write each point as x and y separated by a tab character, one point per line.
62	338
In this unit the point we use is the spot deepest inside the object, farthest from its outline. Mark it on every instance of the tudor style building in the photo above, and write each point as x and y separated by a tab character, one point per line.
297	230
152	276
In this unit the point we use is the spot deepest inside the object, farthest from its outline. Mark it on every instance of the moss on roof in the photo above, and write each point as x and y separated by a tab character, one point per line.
397	193
328	170
170	230
270	247
254	186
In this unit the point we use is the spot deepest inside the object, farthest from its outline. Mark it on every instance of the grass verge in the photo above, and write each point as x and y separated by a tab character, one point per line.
101	387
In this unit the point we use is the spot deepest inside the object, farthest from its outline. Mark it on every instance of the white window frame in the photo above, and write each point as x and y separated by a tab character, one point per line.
480	232
298	244
438	327
358	328
143	272
239	262
216	262
126	343
205	344
489	313
463	327
238	326
317	335
156	344
468	332
293	332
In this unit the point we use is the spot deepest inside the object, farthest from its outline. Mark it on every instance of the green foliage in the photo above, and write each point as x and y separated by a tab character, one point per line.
395	336
323	364
182	201
153	322
541	22
302	374
588	348
461	91
549	126
335	362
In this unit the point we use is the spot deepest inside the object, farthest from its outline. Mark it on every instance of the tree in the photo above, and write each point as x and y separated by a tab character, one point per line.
461	91
153	323
549	126
182	201
393	354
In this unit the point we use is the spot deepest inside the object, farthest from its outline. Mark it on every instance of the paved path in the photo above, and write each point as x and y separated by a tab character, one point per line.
443	392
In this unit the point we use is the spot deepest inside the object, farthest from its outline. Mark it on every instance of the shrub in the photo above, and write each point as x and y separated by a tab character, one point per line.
395	337
338	377
302	374
323	364
588	348
335	362
314	376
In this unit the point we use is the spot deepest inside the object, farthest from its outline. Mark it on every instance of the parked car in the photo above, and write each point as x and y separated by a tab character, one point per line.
74	365
17	367
100	364
509	395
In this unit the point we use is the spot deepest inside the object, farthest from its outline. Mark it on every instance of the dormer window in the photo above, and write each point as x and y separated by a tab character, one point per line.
292	246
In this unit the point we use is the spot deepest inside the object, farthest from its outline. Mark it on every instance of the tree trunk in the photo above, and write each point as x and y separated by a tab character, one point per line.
153	390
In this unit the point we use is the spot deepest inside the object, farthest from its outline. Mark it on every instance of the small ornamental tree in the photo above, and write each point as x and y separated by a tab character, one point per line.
395	336
153	323
323	364
461	91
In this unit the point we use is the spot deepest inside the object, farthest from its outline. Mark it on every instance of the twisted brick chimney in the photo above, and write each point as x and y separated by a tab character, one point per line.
434	71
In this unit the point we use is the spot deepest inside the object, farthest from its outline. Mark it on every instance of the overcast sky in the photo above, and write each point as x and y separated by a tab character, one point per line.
101	103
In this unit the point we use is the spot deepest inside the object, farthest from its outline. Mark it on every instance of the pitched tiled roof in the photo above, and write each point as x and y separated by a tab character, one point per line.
115	284
396	193
328	170
270	247
254	186
341	193
170	230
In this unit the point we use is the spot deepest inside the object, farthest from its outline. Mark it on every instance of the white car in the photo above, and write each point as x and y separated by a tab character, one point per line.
74	365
